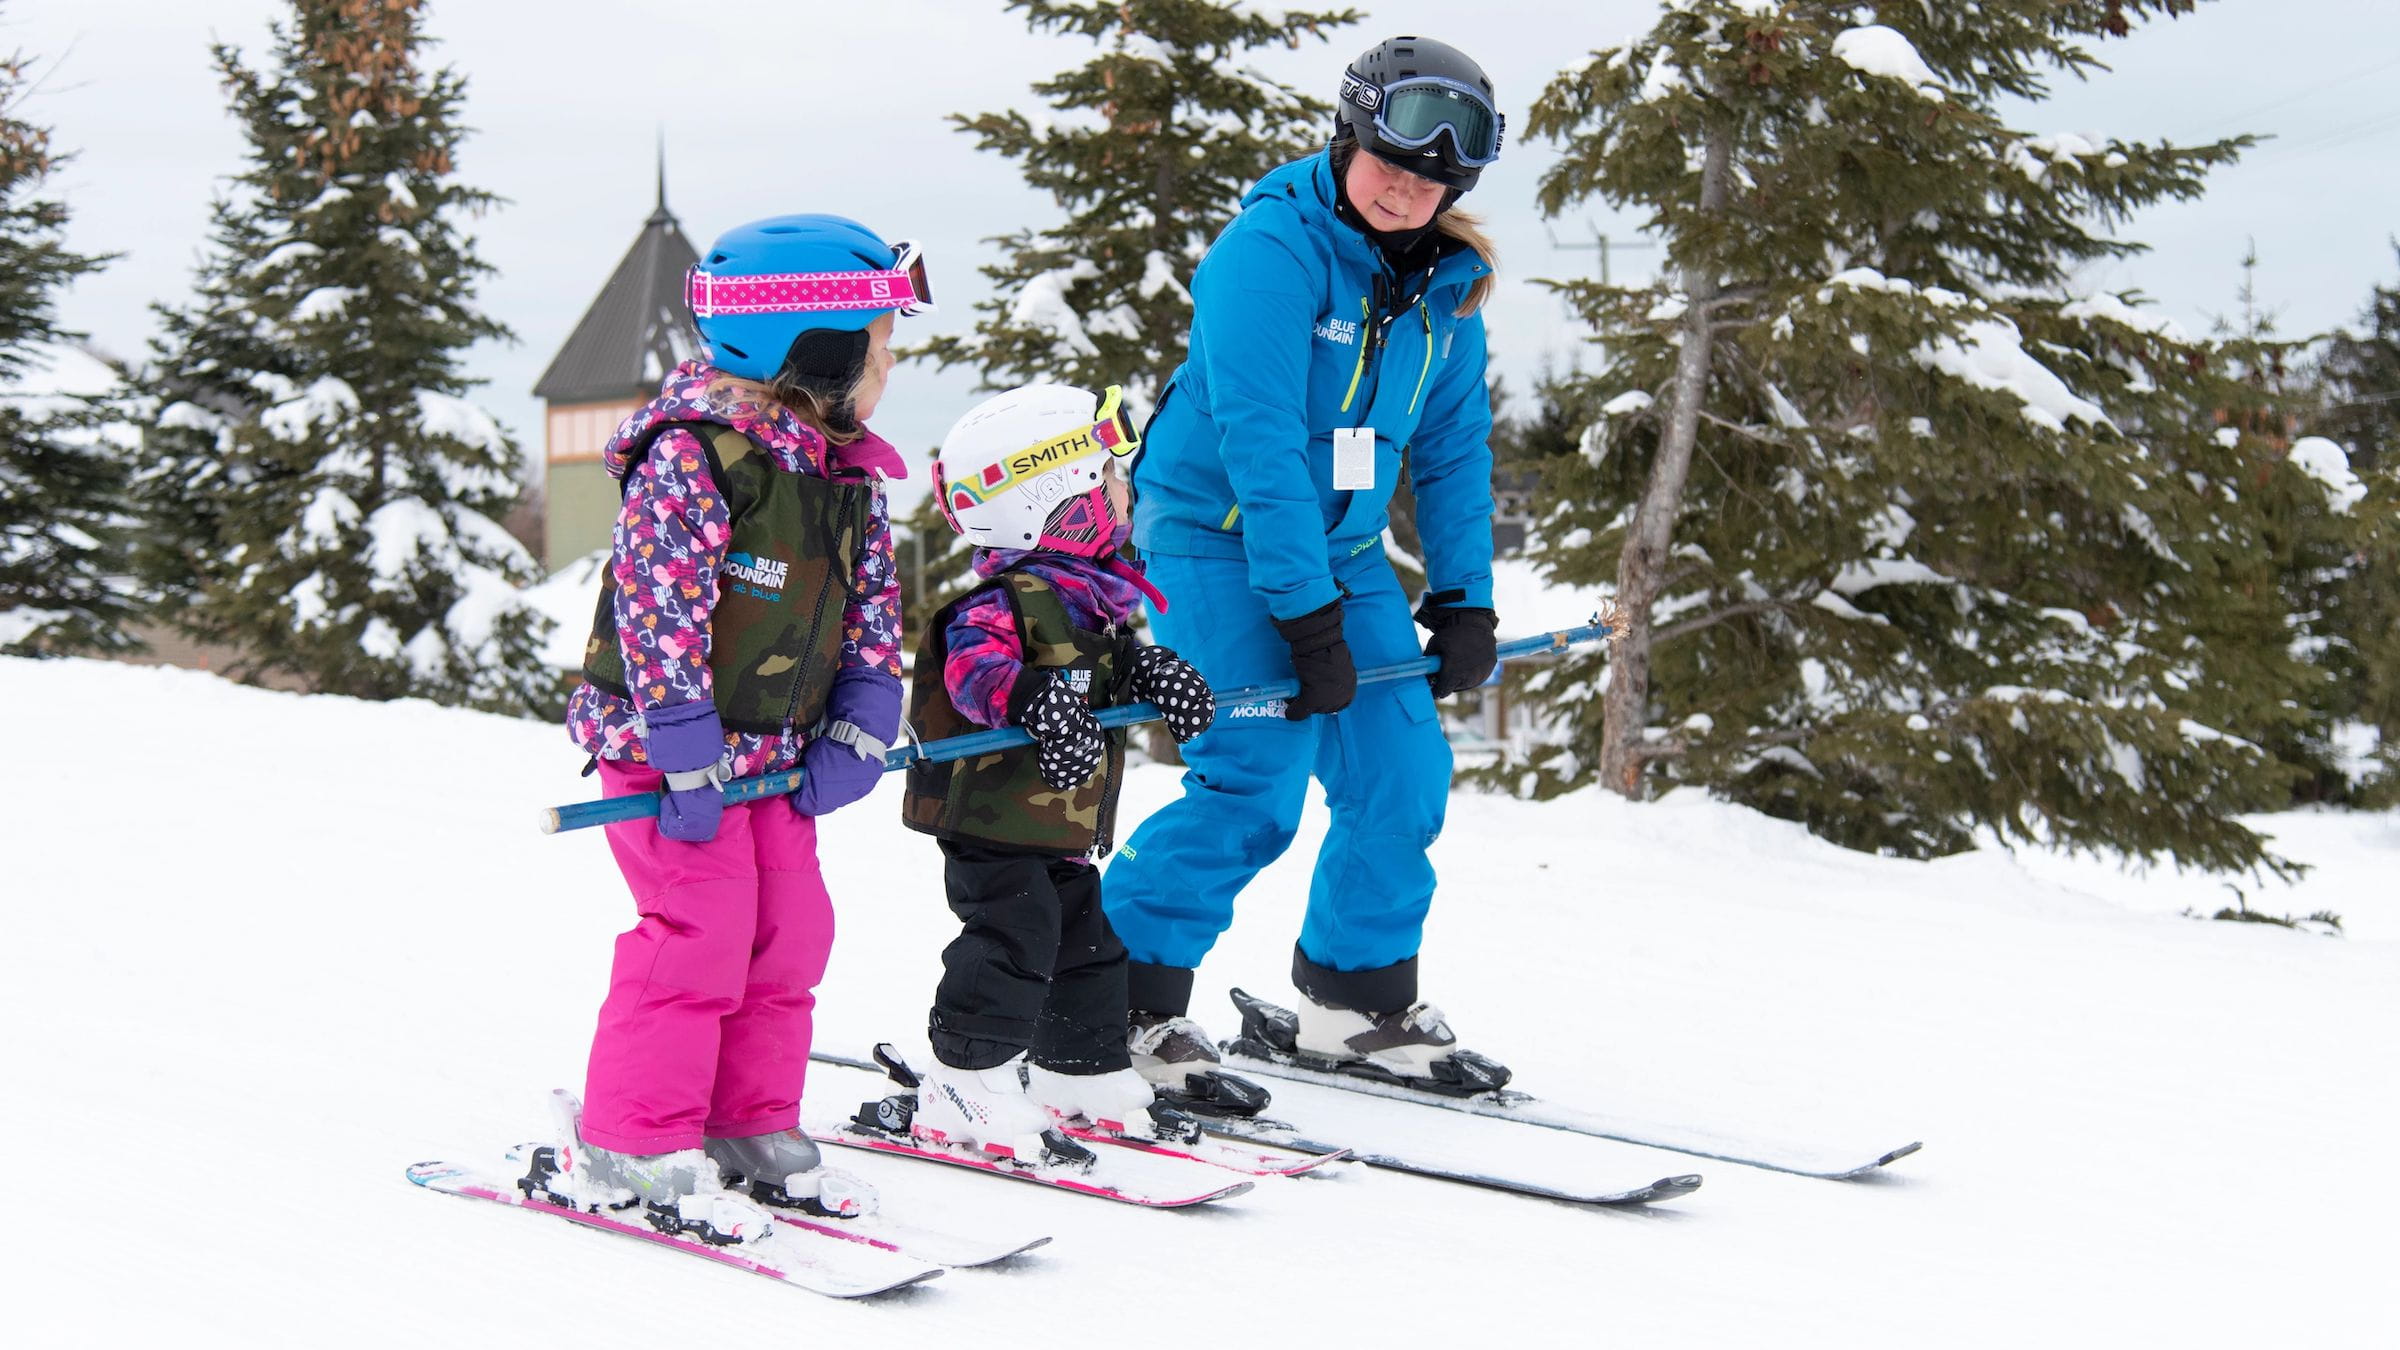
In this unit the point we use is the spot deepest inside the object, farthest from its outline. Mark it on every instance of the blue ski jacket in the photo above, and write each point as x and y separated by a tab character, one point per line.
1299	326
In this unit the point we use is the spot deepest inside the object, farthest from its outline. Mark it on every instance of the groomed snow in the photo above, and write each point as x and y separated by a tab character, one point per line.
299	943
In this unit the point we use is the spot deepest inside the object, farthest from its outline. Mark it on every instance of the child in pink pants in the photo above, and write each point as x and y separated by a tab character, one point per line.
749	623
706	1030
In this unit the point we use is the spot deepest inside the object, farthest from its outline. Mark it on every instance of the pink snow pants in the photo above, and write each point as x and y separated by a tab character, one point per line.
705	1031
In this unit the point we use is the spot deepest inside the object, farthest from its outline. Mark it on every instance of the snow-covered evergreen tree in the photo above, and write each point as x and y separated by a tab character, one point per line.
1157	138
62	482
2357	420
1908	537
328	500
2316	539
2360	379
2341	583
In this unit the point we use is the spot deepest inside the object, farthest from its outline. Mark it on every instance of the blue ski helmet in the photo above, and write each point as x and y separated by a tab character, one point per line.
782	283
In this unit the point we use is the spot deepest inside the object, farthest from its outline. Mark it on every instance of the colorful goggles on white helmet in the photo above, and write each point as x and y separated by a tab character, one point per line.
902	286
1410	113
1113	434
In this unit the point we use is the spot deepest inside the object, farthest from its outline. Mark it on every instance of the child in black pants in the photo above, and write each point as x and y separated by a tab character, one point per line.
1028	1023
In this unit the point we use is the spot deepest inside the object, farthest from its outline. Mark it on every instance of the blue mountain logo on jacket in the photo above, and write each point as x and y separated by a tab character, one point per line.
762	577
1343	331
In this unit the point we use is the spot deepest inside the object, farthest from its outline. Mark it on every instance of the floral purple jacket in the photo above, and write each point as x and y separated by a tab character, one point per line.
985	655
670	540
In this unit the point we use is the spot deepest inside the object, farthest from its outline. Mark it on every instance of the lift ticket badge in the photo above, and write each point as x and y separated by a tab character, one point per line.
1353	459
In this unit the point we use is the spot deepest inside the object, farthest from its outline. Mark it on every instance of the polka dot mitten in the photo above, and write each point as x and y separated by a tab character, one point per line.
1183	699
1068	740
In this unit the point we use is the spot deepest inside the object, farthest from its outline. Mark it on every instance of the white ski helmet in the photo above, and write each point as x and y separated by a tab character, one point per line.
1024	469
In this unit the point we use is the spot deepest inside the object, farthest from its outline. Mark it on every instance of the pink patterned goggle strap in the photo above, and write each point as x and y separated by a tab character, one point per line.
796	292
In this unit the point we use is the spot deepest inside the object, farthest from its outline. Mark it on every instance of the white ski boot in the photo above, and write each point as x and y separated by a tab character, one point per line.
784	1170
980	1110
1169	1050
1121	1102
680	1192
1414	1044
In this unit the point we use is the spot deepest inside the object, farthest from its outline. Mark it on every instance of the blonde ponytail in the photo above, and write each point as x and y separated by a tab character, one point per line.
1468	230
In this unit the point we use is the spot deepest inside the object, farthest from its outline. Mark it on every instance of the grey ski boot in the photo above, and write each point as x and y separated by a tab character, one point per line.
680	1193
784	1169
1167	1050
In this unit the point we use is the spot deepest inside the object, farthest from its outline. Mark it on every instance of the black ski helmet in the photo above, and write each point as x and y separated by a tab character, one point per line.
1446	129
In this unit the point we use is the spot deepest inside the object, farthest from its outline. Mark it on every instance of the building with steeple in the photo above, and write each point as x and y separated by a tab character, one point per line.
635	331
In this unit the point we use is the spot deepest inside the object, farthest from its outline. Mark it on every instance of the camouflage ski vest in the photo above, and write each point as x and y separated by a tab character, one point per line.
775	638
1000	798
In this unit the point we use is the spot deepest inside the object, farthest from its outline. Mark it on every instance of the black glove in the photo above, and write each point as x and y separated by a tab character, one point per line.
1184	702
1462	641
1328	679
1067	738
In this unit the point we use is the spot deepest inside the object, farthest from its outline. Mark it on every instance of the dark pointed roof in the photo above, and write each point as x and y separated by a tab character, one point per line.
636	330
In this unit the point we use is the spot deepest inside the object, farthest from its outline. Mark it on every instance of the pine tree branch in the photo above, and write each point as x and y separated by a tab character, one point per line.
1675	747
1731	296
1675	630
1746	433
1789	736
1646	752
1677	576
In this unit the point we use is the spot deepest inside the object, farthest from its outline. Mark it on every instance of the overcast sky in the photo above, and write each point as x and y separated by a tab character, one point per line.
771	106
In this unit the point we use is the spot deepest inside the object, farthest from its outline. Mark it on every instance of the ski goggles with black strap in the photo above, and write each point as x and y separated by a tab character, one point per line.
1410	113
903	286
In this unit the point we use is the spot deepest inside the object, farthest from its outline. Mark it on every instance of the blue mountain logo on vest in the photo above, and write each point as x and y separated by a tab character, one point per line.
753	575
1078	680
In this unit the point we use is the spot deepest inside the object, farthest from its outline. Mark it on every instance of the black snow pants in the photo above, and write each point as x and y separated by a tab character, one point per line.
1035	967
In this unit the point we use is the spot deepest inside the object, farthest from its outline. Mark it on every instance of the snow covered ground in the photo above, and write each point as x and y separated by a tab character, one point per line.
298	943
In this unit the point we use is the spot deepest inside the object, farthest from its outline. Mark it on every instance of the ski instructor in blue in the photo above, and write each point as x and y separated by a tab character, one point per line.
1335	336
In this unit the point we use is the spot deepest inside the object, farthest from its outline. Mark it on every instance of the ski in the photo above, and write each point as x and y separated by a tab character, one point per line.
1266	1044
879	1229
1108	1179
924	1244
794	1254
1277	1132
1286	1159
1228	1112
1193	1147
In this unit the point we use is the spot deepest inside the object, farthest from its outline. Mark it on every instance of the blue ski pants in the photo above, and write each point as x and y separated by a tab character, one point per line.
1383	760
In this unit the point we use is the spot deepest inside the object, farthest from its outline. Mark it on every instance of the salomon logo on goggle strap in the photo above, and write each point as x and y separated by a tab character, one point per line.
797	292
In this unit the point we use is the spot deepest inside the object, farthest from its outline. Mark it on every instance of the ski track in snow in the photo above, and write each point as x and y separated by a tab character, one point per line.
312	941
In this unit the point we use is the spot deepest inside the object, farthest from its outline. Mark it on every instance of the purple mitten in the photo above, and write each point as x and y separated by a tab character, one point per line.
685	742
845	761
